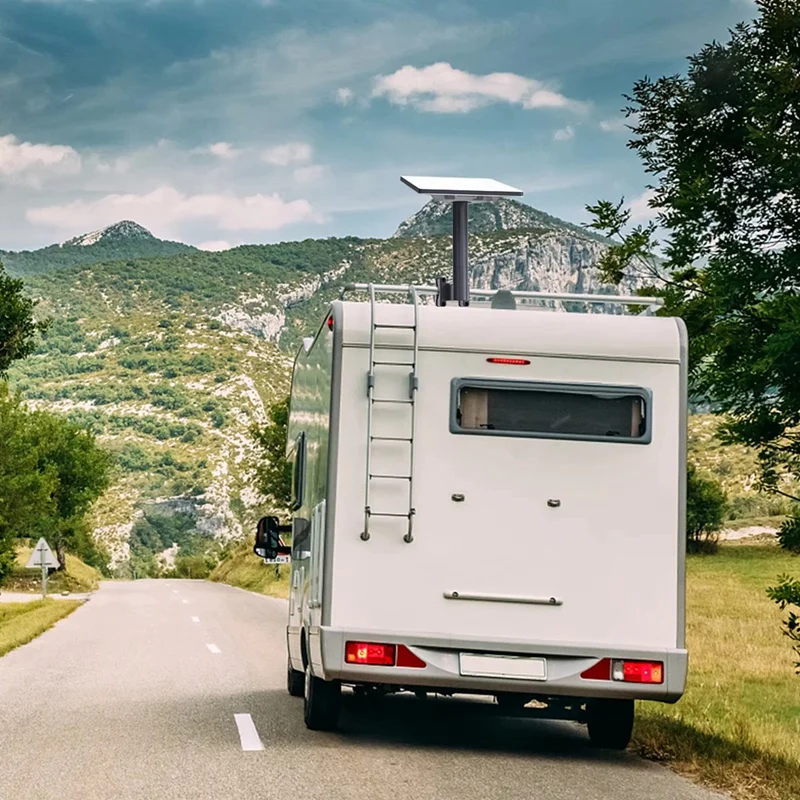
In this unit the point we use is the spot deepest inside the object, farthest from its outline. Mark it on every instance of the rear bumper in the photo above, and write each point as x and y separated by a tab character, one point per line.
565	663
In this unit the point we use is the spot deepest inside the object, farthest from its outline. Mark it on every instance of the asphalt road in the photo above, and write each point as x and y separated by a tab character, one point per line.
135	695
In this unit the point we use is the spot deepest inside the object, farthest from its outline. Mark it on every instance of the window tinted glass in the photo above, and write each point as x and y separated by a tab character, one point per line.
539	411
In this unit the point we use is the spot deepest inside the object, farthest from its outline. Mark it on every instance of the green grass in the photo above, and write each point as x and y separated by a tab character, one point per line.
246	570
738	725
22	622
78	577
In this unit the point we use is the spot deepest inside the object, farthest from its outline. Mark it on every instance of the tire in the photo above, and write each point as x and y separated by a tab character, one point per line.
295	681
610	723
323	701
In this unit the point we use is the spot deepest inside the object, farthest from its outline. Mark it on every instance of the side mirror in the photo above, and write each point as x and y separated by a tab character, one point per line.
269	544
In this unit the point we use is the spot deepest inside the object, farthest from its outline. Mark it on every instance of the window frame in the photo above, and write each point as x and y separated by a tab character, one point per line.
299	472
610	390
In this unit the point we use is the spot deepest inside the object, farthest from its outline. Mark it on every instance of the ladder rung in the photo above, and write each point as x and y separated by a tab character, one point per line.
387	400
396	327
390	438
393	363
386	514
393	477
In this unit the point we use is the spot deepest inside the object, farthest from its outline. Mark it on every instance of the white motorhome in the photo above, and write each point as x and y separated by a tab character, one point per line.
489	500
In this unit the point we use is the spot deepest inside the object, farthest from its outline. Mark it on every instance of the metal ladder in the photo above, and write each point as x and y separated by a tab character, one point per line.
413	386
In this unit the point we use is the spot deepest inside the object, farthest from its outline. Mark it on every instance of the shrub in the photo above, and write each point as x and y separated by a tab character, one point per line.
706	505
789	534
787	593
191	567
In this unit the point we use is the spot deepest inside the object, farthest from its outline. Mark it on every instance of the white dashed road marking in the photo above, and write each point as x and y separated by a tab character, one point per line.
195	619
213	648
247	732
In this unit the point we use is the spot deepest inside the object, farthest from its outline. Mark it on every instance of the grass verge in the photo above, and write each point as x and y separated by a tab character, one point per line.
78	577
22	622
245	569
737	728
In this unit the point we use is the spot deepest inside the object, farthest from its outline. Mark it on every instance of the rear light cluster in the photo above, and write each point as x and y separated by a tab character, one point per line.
516	361
381	655
626	671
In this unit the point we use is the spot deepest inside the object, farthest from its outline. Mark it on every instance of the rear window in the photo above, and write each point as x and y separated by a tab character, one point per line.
544	410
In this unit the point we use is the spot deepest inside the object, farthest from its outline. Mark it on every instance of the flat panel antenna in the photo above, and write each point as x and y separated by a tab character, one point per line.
460	192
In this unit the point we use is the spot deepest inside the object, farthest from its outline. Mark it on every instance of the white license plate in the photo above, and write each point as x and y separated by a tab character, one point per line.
515	667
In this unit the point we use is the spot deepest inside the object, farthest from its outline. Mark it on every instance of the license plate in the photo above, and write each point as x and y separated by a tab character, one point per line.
514	667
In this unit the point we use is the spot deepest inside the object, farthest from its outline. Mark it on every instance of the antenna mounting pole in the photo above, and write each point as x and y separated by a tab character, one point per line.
461	252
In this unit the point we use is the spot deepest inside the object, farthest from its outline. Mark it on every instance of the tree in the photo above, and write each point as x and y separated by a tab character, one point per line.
723	142
79	471
273	472
706	504
18	327
25	489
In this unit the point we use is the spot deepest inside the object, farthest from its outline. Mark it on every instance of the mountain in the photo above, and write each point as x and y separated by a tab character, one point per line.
171	358
123	240
436	219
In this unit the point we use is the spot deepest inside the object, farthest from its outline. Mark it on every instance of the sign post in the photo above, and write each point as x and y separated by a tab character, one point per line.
42	557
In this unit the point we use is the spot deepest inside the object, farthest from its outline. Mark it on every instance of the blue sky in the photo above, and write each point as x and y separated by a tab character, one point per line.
228	121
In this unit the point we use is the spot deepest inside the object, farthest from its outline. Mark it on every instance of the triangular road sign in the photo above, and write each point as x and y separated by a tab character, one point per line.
42	556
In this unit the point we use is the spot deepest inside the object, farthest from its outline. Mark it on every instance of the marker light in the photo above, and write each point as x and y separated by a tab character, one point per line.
405	658
518	361
381	655
601	671
330	322
637	671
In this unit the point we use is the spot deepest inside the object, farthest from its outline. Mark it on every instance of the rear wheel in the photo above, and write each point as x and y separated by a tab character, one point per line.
323	700
610	723
295	681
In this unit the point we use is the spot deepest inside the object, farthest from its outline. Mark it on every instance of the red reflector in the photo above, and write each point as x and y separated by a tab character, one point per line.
405	658
381	655
601	671
638	671
330	322
520	361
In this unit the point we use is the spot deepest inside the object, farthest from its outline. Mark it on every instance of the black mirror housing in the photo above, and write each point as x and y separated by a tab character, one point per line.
269	543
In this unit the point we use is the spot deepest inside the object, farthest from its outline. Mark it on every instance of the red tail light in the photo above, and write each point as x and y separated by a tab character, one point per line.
638	671
518	361
381	655
405	658
330	322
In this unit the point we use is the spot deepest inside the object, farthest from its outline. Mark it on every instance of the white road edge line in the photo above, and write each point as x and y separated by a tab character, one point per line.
195	619
247	732
213	648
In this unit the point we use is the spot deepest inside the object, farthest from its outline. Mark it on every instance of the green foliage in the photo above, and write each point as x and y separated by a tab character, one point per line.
787	593
273	471
706	505
18	328
727	195
157	531
196	567
789	534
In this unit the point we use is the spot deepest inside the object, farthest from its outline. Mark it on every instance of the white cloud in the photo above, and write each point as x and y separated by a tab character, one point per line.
640	208
310	174
284	154
344	95
442	88
118	166
223	150
564	134
18	157
619	124
164	208
215	246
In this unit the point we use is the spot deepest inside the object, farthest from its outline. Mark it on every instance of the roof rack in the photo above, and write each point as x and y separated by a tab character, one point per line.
651	303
